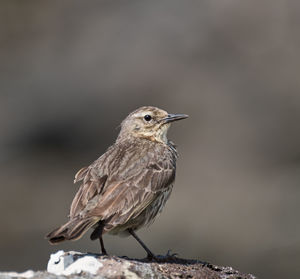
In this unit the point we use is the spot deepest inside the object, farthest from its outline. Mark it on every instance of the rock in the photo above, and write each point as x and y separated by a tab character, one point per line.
77	265
26	274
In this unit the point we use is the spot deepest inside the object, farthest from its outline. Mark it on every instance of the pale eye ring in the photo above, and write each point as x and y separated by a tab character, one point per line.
147	117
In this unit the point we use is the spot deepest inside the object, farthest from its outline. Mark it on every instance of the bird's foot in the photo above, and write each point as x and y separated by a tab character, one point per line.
151	257
169	257
103	252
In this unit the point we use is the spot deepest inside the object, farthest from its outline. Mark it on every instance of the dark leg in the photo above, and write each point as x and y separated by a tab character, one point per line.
102	245
97	233
150	255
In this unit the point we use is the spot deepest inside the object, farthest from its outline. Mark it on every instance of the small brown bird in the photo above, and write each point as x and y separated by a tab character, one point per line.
128	186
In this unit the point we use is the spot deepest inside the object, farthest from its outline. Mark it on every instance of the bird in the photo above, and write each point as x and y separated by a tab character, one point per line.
128	186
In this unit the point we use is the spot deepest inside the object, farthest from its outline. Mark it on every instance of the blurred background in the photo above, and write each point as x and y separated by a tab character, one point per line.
70	71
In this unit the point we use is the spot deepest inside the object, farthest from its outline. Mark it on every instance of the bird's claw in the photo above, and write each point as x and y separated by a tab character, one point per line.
161	259
169	255
151	257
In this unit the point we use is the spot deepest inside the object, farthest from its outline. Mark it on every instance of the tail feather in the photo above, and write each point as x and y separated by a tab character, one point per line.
72	230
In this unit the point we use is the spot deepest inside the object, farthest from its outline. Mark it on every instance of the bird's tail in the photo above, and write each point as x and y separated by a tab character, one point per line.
72	230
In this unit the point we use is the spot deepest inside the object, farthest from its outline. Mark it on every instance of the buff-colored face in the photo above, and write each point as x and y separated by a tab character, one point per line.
150	122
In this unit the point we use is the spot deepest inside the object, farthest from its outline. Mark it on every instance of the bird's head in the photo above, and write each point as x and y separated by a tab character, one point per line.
148	122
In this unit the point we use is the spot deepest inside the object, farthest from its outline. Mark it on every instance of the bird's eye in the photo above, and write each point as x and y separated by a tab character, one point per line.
147	117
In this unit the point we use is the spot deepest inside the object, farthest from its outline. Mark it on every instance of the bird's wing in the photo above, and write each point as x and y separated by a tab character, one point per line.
127	199
91	187
122	196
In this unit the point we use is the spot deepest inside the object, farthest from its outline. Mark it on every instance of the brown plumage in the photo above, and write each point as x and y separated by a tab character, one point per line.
129	184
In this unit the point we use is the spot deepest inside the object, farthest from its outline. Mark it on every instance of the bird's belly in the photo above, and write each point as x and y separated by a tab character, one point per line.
147	216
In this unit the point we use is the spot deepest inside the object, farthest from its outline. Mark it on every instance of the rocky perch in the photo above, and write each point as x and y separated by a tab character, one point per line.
76	265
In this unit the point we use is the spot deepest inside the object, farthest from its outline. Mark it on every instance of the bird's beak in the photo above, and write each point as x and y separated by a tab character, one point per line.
173	117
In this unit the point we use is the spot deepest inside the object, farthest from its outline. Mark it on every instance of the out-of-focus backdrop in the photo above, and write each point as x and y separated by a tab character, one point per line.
70	71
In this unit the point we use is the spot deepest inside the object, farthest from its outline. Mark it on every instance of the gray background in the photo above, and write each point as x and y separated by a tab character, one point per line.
70	71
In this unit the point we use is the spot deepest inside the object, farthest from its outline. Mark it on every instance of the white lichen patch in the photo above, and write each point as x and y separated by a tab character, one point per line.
62	263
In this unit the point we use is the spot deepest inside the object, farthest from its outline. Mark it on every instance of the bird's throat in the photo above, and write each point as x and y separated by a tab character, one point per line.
160	135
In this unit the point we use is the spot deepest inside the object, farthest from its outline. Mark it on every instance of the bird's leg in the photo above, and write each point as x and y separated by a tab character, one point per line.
102	245
97	233
150	255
